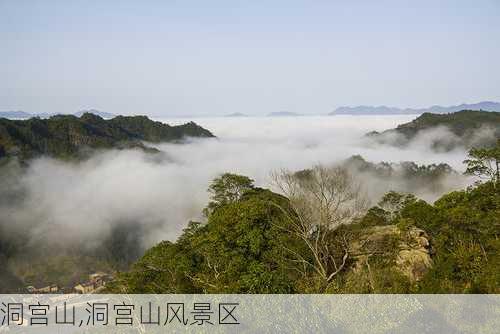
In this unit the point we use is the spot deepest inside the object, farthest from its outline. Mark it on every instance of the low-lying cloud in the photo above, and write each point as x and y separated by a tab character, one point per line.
65	202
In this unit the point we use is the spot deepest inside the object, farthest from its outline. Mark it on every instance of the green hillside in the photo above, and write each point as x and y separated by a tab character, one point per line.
65	136
470	128
257	241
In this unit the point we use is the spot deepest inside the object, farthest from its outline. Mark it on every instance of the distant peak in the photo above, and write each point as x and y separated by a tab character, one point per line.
436	109
94	112
237	114
283	113
15	114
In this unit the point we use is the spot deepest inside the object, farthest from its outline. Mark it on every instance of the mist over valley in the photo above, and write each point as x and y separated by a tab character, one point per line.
104	209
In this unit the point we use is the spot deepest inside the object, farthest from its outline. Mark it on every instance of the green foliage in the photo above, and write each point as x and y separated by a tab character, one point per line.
464	125
374	217
64	136
393	203
459	122
241	249
63	270
465	232
422	214
375	277
227	188
246	247
485	163
26	261
420	178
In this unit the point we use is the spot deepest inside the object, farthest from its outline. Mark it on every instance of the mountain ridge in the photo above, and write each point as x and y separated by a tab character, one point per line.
436	109
236	114
464	130
102	114
19	114
64	136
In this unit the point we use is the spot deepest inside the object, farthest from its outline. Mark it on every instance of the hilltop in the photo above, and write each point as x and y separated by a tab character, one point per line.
384	110
466	128
401	245
25	115
64	136
95	112
237	114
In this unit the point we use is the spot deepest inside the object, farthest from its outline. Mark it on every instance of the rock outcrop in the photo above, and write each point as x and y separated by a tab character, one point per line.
408	248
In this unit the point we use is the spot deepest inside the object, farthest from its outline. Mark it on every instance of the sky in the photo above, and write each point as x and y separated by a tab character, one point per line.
187	58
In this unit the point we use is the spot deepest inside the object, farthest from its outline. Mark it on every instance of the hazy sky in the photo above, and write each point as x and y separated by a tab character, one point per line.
217	57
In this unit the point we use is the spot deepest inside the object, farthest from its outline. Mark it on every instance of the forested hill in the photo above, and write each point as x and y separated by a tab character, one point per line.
255	243
63	136
467	128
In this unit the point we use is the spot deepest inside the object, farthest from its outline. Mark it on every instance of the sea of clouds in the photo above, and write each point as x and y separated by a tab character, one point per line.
84	201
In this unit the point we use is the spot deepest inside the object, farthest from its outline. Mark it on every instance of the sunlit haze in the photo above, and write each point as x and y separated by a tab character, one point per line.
185	58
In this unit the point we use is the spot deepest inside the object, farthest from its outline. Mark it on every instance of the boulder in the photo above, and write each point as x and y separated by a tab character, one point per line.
409	248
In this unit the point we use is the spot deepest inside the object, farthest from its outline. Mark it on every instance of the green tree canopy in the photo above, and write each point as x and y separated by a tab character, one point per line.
227	188
241	249
485	163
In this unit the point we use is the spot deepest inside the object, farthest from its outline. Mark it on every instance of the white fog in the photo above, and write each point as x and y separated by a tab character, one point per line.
82	201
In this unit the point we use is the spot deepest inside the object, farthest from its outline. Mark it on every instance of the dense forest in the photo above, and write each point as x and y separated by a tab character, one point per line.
65	136
24	261
351	227
317	236
405	176
466	128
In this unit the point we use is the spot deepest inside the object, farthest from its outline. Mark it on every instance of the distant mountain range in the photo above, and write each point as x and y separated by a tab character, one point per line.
384	110
15	114
283	114
25	115
236	114
345	110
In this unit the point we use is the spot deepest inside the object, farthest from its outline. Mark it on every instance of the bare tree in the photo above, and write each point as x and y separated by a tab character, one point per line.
321	199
